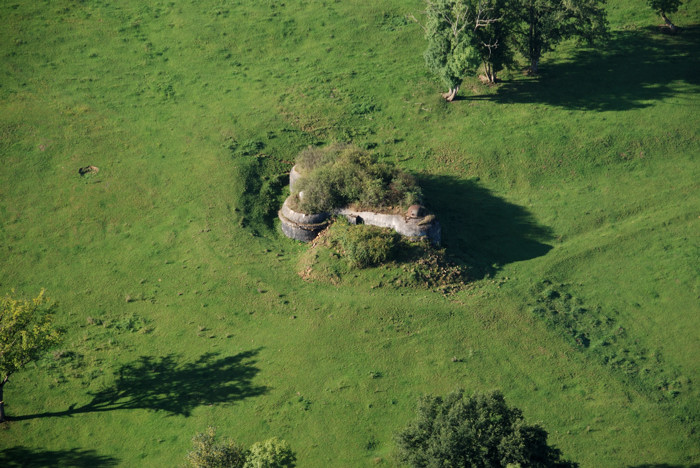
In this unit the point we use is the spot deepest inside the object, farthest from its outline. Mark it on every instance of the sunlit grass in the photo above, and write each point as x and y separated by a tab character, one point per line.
585	178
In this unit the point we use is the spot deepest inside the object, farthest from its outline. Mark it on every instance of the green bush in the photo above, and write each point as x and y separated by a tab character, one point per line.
207	453
365	246
273	453
312	157
341	175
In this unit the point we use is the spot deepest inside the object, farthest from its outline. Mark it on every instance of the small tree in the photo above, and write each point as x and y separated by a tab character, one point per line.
477	431
207	453
542	24
273	453
456	44
662	7
25	334
493	41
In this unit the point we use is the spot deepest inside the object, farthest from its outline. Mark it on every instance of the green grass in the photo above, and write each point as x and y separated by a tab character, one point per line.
182	300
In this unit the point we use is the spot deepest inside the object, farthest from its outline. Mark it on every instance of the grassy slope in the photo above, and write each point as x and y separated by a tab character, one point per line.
586	178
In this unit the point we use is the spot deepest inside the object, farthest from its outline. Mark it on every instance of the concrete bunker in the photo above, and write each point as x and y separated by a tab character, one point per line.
414	223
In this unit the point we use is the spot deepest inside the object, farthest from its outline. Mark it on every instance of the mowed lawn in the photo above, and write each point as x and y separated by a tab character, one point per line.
571	199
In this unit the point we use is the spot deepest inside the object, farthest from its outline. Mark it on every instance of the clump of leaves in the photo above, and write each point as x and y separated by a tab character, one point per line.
342	175
26	332
481	430
364	107
343	247
208	453
365	246
426	265
312	157
273	453
262	178
244	148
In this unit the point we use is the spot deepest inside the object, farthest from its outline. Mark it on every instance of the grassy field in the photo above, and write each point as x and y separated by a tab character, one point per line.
572	199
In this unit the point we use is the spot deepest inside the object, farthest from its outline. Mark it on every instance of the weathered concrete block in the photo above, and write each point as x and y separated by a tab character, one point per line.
294	176
301	226
302	218
409	227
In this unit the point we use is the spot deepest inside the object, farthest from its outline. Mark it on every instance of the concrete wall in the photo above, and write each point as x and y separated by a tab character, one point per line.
294	175
301	226
405	227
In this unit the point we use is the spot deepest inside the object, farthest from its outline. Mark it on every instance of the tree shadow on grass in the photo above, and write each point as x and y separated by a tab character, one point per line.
17	457
480	230
163	384
665	465
631	71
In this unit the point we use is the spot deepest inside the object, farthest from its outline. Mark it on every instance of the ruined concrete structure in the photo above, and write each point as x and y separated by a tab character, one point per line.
416	223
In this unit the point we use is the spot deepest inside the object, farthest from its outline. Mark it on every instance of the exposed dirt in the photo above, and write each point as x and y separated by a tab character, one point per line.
88	170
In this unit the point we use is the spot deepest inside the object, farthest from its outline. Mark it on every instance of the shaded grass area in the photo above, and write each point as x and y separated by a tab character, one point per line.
480	229
633	70
162	384
168	262
25	457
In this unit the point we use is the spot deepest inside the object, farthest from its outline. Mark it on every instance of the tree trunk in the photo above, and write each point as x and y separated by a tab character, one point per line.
450	95
2	403
453	94
534	66
490	74
671	27
531	42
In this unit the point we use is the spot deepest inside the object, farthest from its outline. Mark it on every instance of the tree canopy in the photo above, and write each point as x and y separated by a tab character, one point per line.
454	47
477	431
26	333
539	25
463	34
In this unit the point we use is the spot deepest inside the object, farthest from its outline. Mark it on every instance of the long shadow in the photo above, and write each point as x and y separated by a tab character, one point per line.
480	230
163	384
665	465
23	457
631	71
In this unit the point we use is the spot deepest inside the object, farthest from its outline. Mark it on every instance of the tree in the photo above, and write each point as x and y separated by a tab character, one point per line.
273	453
493	41
542	24
25	334
453	29
462	34
207	453
662	7
477	431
